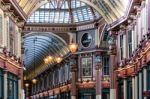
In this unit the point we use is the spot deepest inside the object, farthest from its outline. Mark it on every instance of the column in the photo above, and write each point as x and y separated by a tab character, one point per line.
145	80
20	89
140	85
112	77
136	87
125	88
5	84
133	87
98	82
73	83
112	52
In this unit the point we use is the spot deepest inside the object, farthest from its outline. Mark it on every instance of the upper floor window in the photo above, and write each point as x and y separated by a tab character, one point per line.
12	36
130	43
86	65
1	28
105	65
121	47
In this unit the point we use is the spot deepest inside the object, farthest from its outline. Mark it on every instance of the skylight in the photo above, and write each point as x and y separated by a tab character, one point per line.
54	12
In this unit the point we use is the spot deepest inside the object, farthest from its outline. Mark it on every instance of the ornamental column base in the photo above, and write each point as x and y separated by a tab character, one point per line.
112	93
73	97
98	96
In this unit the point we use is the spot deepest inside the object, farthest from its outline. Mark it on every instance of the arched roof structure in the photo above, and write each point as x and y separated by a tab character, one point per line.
40	45
110	10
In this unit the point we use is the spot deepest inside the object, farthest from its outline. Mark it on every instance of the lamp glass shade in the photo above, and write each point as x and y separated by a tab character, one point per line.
73	47
58	59
46	60
49	58
34	81
26	85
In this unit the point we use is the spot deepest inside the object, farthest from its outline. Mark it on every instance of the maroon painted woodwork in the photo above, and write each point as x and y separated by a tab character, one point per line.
67	88
9	64
146	93
50	92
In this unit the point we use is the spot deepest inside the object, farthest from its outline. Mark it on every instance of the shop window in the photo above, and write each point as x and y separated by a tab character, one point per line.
1	84
65	95
105	93
120	89
129	88
130	43
45	81
121	47
86	64
148	78
87	94
12	89
106	65
50	79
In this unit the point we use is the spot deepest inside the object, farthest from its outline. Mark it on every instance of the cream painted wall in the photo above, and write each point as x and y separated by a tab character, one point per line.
5	35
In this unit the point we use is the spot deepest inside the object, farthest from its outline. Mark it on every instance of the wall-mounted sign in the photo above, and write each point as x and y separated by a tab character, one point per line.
86	39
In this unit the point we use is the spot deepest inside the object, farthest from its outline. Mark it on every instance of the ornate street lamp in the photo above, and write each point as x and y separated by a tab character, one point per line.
58	59
73	47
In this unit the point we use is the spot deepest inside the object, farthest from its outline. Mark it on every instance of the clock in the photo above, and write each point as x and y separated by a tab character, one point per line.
86	39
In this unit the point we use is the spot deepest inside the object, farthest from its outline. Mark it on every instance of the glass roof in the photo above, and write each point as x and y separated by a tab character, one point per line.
64	11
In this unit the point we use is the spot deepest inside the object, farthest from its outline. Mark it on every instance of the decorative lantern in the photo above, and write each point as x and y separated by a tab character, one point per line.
34	81
73	47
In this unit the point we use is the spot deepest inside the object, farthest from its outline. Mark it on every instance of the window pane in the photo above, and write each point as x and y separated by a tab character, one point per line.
86	66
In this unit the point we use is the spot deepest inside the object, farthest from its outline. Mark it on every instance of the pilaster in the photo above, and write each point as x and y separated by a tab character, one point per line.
98	82
73	80
5	84
112	52
136	87
140	85
20	95
145	80
133	88
125	88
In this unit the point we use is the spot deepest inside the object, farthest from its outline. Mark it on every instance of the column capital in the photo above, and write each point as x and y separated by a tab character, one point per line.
112	44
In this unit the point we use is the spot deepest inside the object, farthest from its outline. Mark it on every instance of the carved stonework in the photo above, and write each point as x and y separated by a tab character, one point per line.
112	44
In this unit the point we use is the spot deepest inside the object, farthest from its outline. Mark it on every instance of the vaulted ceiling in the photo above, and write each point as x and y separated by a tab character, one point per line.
37	47
110	10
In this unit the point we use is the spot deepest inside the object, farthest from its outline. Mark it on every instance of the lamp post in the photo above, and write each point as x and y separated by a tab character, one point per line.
73	48
98	68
